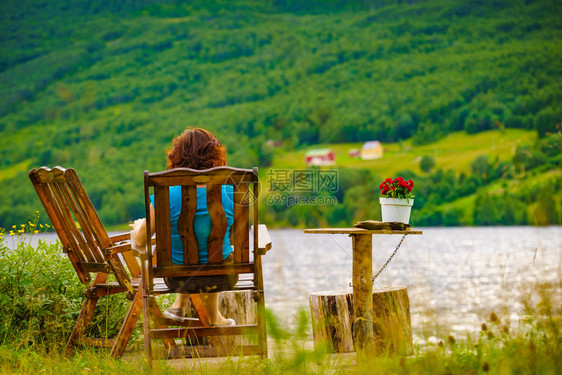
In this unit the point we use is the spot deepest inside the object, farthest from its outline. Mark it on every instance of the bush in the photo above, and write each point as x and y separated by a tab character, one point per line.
40	293
427	163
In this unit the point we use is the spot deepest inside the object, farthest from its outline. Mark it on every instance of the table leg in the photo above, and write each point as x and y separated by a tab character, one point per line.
363	293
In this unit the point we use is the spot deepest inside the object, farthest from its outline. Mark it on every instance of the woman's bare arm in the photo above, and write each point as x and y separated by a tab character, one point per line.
139	228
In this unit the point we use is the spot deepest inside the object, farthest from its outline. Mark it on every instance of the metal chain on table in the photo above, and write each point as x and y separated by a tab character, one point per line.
389	259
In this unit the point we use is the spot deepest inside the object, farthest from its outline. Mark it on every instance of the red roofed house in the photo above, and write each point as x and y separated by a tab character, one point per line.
323	156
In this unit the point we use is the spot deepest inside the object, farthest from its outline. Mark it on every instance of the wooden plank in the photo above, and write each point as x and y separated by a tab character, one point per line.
132	263
86	232
95	267
264	239
63	232
218	223
120	237
258	277
97	342
162	225
47	199
255	220
200	270
207	351
178	333
362	292
185	225
79	244
359	231
186	176
185	322
90	212
240	227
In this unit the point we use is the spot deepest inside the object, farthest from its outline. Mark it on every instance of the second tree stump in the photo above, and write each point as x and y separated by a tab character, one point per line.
332	320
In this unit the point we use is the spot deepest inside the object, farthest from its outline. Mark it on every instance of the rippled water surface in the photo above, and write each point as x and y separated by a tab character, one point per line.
455	276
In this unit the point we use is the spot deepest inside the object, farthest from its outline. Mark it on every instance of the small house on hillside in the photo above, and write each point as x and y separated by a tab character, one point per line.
354	153
371	150
323	156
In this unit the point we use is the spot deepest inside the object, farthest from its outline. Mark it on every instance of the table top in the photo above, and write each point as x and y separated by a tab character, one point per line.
360	231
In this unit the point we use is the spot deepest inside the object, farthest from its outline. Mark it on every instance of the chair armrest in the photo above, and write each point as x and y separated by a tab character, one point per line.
264	241
140	251
120	237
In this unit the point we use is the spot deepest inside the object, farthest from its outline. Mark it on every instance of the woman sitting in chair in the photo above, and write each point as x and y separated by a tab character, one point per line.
196	149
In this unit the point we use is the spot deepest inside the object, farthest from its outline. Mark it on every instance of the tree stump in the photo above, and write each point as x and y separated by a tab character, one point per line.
332	320
238	305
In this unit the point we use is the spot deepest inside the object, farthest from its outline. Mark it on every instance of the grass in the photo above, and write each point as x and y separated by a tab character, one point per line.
456	151
11	171
534	349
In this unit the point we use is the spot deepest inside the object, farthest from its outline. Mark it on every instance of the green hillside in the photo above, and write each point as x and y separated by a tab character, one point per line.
104	86
491	178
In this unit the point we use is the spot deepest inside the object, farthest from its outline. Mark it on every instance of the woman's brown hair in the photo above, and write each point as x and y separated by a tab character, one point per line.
196	148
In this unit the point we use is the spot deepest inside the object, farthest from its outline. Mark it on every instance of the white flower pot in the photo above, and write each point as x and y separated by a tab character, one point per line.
394	209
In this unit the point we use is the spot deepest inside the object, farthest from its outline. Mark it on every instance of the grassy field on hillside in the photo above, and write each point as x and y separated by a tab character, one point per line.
456	151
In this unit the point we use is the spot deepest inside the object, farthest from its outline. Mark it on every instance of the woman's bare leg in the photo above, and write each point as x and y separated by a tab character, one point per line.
211	302
180	301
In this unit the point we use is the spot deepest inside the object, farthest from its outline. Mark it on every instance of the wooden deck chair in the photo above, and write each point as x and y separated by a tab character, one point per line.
93	253
245	184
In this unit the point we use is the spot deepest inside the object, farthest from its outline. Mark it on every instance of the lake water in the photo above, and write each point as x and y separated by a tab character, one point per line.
455	276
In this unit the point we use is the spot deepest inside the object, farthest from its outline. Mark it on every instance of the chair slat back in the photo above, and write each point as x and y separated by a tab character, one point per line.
74	218
213	179
185	224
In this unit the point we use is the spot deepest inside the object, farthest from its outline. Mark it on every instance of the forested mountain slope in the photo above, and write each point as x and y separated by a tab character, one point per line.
104	86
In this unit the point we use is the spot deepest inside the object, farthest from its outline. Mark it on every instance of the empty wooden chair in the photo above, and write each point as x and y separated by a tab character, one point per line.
158	261
93	253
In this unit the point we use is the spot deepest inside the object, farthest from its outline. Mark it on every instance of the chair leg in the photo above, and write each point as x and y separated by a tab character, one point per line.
262	336
85	313
82	322
128	326
203	315
146	329
155	312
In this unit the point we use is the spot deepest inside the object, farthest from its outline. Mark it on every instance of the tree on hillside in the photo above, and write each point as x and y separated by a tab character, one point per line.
485	212
427	163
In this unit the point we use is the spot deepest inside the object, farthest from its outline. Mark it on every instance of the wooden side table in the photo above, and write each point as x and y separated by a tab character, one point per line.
362	276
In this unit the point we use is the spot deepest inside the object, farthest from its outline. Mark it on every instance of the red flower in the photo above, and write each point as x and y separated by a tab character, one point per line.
397	188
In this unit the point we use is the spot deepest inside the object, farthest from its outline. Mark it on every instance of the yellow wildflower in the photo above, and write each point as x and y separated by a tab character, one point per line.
13	226
12	233
35	232
21	231
47	226
32	225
